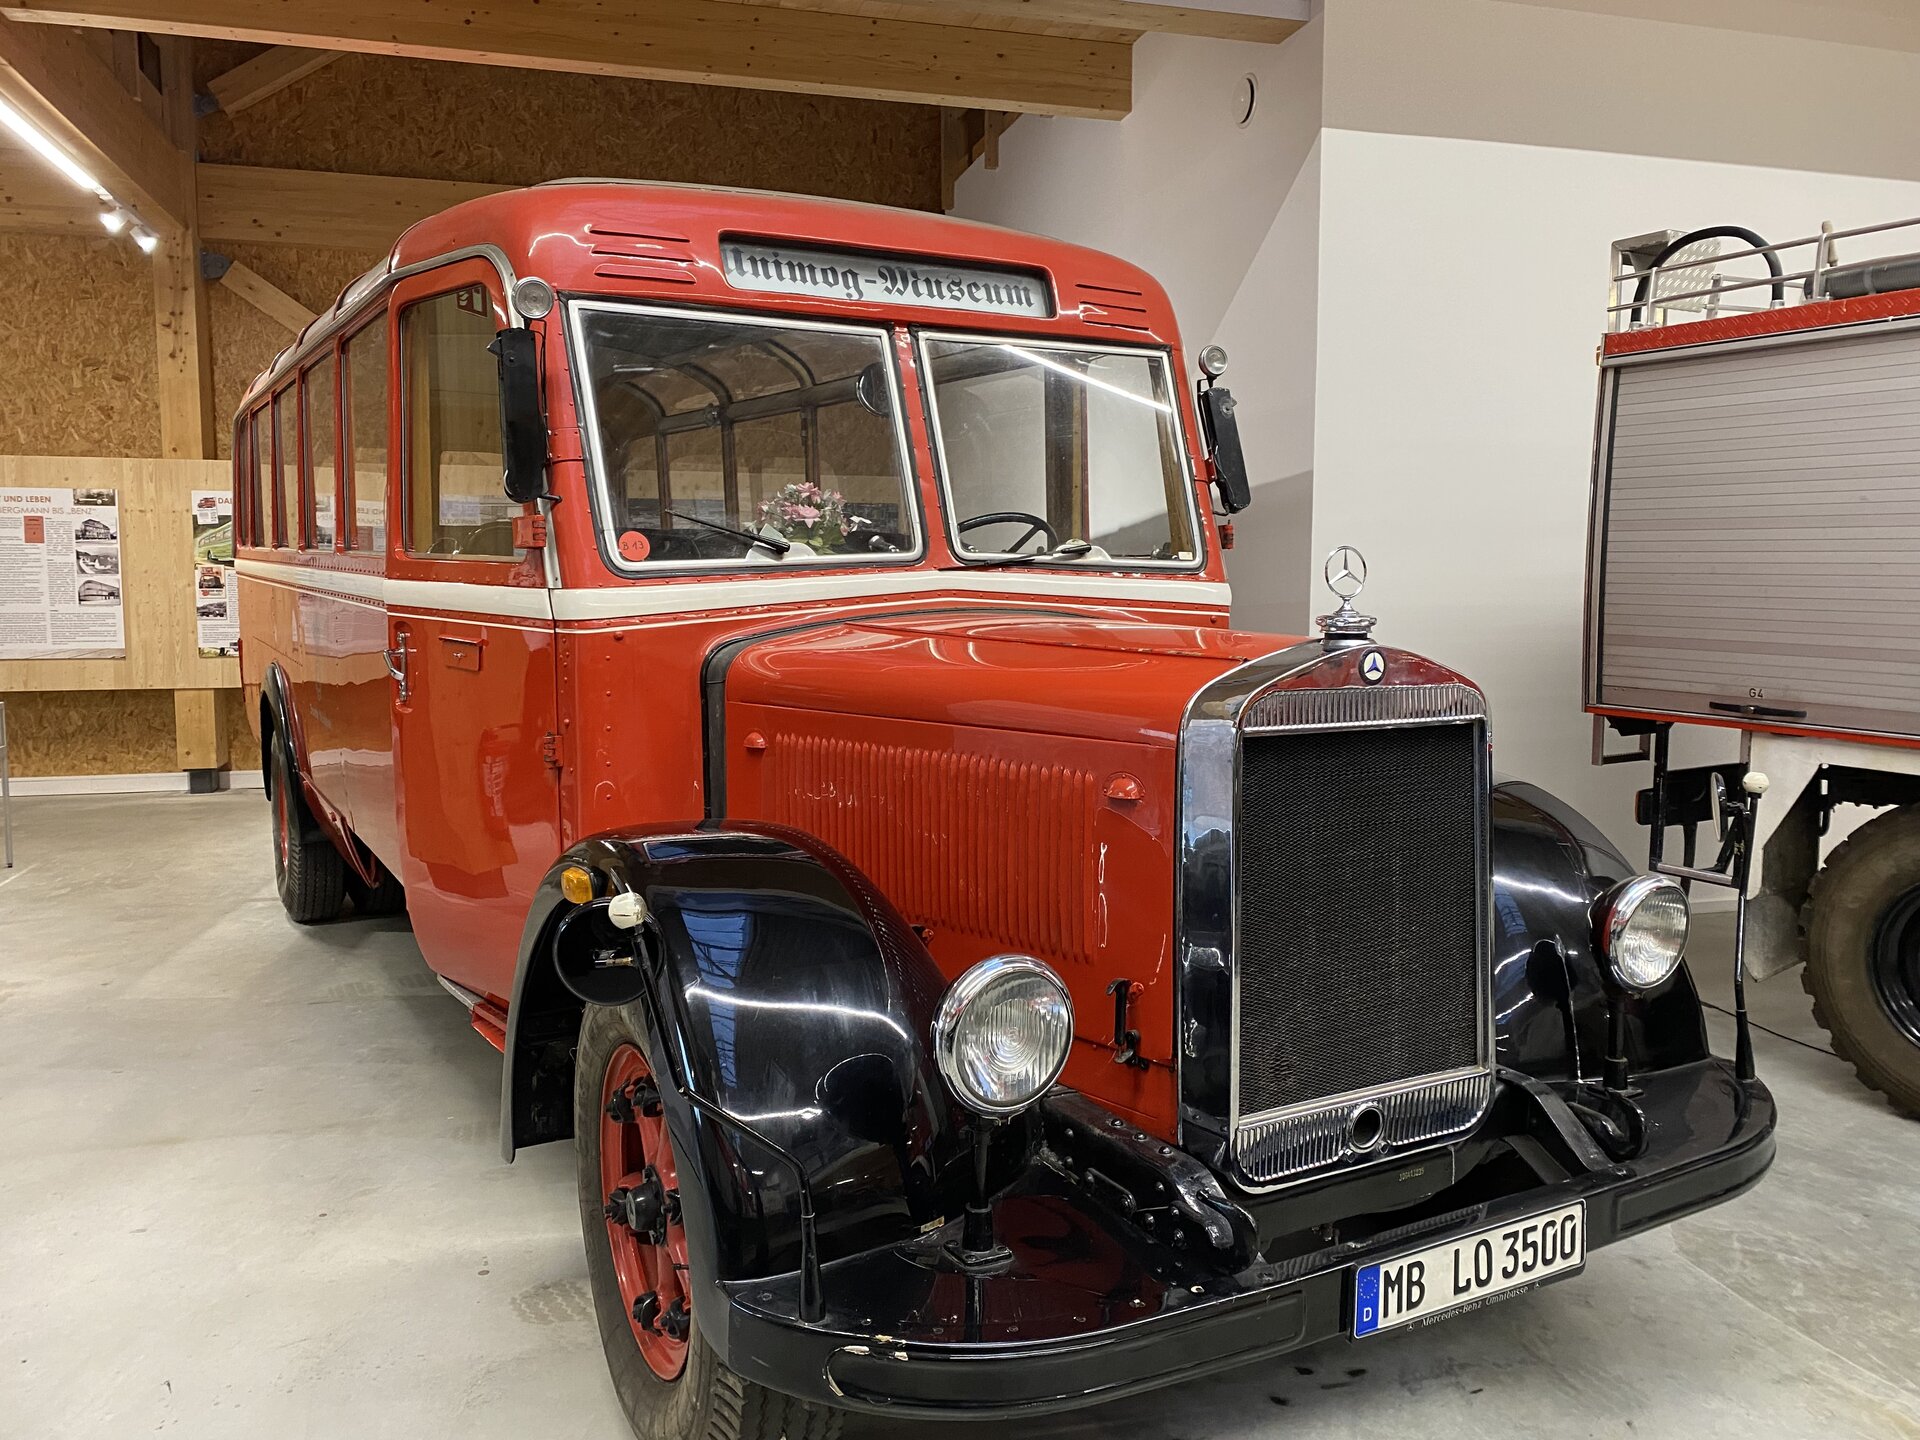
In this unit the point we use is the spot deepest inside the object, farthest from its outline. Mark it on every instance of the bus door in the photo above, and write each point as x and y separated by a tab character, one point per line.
470	643
362	702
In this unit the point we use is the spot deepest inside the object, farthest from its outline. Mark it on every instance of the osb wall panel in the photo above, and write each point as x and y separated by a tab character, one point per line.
86	385
244	339
90	732
243	744
382	115
76	348
110	732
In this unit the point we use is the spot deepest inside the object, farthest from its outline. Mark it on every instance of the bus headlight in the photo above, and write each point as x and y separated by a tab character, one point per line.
1641	927
1003	1032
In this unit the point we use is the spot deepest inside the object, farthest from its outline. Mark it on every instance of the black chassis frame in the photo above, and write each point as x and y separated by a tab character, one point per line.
788	1009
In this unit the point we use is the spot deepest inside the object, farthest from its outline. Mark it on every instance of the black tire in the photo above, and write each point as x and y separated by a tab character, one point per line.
388	897
708	1401
309	873
1863	954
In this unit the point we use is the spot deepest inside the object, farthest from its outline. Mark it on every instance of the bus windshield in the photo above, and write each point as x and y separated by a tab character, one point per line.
1060	448
720	440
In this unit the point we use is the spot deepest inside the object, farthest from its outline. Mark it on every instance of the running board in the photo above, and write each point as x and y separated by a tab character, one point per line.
489	1019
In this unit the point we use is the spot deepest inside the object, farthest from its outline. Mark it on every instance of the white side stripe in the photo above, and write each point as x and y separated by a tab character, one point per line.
699	596
521	601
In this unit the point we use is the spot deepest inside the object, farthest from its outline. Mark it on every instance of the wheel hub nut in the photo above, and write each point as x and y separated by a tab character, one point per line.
672	1320
640	1208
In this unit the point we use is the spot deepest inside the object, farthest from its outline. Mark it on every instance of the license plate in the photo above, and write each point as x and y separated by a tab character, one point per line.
1465	1273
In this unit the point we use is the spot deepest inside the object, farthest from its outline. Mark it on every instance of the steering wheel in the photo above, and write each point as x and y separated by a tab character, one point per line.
1036	526
471	540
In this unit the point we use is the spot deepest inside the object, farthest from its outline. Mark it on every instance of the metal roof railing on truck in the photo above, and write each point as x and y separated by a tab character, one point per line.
1667	271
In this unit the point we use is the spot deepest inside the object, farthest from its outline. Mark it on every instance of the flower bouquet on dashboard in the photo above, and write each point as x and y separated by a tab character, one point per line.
807	513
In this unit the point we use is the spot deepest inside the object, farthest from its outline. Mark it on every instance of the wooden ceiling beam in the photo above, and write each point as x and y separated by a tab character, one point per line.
267	73
17	217
767	47
317	207
1094	19
265	296
60	83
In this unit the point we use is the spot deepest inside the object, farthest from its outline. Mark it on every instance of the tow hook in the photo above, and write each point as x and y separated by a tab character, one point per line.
673	1322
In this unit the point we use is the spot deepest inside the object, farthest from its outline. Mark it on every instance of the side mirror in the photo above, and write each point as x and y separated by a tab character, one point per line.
523	422
1223	444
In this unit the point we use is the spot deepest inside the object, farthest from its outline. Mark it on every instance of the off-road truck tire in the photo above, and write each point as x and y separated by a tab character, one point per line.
1863	954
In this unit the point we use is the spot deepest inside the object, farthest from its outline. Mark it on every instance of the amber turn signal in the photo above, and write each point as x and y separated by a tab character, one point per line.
576	883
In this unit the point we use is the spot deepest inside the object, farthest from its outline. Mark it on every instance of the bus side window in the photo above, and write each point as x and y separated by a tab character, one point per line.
259	483
455	503
317	394
286	458
364	417
243	480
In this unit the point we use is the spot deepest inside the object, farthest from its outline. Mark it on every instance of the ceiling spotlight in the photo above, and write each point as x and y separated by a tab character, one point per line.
147	241
114	220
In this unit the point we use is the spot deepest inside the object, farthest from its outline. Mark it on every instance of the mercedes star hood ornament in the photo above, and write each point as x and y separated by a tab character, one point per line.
1346	576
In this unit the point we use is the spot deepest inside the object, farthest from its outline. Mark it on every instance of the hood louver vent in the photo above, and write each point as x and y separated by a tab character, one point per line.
1113	307
643	256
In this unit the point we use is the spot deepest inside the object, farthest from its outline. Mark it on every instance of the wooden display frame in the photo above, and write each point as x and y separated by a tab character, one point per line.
156	546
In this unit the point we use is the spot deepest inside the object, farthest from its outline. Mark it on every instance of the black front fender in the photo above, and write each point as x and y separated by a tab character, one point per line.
1549	1000
795	1006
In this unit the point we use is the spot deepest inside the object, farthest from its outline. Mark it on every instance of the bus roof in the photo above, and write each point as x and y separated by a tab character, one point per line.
664	243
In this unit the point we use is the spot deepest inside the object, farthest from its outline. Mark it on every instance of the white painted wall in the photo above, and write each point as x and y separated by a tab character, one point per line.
1227	218
1406	255
1480	157
1454	434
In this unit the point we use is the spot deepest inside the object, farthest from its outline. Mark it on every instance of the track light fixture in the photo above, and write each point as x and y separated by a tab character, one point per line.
115	217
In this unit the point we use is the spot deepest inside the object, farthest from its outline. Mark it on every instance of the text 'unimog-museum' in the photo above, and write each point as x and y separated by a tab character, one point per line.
975	977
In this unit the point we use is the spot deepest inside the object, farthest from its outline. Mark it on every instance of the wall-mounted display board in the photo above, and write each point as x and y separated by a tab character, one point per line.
216	595
153	519
60	589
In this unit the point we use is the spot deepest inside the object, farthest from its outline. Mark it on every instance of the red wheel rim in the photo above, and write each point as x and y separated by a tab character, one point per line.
642	1266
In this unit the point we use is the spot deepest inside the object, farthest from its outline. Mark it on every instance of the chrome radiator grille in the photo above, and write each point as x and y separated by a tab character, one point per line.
1361	884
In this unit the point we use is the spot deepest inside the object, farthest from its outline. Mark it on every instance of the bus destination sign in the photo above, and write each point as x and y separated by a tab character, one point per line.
882	279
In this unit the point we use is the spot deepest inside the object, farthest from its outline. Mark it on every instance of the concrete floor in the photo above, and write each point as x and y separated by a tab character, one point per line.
250	1188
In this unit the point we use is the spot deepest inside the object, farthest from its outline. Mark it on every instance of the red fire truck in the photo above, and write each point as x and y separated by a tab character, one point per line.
777	651
1755	564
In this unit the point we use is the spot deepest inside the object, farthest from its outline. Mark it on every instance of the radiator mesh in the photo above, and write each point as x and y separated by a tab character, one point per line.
1357	855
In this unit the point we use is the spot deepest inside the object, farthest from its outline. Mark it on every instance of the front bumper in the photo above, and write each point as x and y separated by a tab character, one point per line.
1090	1307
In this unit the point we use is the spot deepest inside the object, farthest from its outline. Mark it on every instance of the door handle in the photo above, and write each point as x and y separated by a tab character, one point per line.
397	662
1759	712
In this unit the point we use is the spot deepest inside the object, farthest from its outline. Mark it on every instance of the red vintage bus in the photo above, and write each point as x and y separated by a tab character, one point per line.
777	650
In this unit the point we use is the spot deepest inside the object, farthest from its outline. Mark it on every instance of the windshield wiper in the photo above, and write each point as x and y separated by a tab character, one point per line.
1071	550
771	542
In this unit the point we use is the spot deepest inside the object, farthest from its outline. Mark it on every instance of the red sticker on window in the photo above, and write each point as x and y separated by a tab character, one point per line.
634	547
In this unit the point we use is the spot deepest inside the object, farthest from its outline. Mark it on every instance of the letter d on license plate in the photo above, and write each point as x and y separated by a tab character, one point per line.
1460	1274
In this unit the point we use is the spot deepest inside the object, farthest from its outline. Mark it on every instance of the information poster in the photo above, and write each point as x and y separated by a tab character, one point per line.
60	577
215	595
